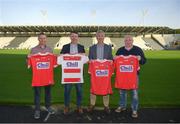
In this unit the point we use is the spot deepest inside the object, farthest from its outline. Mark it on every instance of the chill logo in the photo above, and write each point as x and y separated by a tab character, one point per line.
43	65
126	68
72	64
102	73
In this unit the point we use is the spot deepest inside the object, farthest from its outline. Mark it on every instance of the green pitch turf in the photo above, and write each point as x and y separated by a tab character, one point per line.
159	81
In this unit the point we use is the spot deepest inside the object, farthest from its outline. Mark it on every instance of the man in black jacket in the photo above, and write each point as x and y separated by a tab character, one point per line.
73	48
130	49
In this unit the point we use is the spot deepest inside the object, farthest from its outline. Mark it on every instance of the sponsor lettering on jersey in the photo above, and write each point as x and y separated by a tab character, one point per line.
43	65
126	68
72	58
102	73
72	64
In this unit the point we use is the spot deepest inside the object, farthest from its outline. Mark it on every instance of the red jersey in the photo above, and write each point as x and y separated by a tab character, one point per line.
42	68
101	72
126	72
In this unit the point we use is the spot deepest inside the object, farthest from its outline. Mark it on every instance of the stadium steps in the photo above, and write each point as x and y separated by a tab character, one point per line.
153	44
85	41
62	41
52	41
16	41
161	42
5	41
117	42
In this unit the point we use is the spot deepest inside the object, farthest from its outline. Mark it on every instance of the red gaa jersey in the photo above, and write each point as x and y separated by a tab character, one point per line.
42	68
101	72
126	72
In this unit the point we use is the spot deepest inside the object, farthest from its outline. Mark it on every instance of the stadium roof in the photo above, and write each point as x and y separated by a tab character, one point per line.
84	30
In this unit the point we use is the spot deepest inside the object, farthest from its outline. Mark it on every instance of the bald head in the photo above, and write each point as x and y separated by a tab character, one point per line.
128	40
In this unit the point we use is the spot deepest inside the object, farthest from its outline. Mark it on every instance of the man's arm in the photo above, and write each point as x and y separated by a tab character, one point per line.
90	53
110	53
63	50
51	50
83	50
142	58
118	52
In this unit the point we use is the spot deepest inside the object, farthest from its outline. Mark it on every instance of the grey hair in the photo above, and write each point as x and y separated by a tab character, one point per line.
100	31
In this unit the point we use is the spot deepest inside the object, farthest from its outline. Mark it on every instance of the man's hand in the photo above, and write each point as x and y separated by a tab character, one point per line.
115	57
139	58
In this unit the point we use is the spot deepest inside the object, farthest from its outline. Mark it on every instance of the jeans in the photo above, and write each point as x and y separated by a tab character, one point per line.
123	98
37	92
67	92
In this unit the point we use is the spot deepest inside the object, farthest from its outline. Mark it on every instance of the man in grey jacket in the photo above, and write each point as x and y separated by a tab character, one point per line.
100	51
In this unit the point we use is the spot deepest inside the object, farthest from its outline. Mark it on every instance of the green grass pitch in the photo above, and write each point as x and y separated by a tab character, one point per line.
159	81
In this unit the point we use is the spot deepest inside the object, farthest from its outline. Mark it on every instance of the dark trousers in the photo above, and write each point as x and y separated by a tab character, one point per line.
67	92
37	92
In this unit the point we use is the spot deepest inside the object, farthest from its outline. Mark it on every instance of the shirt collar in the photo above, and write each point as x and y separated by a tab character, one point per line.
98	44
42	47
128	49
73	44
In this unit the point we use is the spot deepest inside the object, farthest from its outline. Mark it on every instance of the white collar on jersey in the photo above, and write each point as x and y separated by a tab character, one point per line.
42	54
101	60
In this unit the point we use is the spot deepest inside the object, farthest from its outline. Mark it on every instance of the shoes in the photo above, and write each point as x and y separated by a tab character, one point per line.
50	110
120	109
107	110
37	114
80	110
66	110
134	114
90	108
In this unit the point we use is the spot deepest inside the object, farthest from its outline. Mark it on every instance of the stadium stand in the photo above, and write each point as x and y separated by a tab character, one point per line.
165	40
117	42
62	41
52	41
25	37
5	41
154	45
86	41
138	41
33	41
168	39
177	36
160	39
107	40
16	42
29	43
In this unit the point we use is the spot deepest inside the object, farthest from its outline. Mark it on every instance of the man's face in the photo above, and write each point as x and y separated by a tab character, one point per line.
42	39
74	38
128	41
100	37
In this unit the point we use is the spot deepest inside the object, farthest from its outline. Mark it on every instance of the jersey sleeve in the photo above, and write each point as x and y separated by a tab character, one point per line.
85	59
138	65
90	67
111	67
55	61
59	59
114	64
28	61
